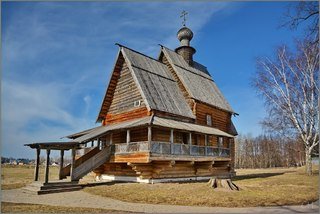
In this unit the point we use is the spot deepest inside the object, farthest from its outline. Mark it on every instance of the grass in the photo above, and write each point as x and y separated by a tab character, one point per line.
13	177
7	207
265	187
260	187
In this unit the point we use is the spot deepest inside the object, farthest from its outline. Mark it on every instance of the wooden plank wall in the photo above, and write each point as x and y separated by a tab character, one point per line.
220	119
125	92
119	137
159	134
138	135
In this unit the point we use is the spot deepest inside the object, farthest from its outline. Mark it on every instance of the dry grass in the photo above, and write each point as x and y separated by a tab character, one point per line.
264	187
7	207
13	177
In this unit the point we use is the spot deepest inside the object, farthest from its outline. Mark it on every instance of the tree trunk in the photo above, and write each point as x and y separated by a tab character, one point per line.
222	184
308	162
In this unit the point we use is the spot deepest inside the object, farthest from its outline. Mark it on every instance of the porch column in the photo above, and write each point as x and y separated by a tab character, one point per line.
61	164
171	140
149	137
36	169
128	136
205	144
46	174
98	143
111	135
149	134
190	142
73	154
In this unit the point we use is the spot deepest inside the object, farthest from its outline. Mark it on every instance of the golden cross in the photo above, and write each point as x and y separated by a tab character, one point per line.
184	14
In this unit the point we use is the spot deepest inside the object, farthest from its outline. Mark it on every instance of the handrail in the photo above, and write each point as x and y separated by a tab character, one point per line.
91	163
66	170
157	147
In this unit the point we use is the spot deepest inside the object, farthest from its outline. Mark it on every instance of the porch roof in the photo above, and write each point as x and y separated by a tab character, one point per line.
151	120
163	122
53	145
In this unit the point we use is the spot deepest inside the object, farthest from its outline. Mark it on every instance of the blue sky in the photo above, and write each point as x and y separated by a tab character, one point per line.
57	58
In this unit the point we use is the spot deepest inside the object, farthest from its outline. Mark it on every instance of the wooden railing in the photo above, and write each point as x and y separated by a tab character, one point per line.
79	161
91	163
171	149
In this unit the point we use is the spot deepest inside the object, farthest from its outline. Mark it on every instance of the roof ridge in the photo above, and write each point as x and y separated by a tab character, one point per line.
138	52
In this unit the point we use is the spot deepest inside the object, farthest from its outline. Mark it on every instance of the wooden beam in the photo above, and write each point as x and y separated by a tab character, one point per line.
171	141
92	143
98	142
111	136
205	144
36	169
61	164
190	142
73	154
46	174
149	134
128	136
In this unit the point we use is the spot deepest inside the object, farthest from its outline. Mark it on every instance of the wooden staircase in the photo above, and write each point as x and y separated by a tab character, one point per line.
91	163
54	187
83	165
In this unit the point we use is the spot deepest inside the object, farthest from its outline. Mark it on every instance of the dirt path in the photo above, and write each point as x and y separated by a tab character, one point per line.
83	199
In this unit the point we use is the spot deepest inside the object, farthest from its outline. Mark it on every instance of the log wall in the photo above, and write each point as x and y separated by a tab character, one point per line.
162	135
220	119
129	115
166	169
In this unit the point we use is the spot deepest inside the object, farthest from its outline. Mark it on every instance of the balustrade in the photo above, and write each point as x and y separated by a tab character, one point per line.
167	148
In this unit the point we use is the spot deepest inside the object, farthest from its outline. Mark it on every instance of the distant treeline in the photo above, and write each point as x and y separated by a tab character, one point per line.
268	151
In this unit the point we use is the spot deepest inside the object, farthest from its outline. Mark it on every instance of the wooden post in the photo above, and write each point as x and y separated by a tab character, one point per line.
61	164
128	136
73	154
111	135
149	136
190	142
220	141
46	174
171	141
98	143
149	133
205	144
36	169
92	143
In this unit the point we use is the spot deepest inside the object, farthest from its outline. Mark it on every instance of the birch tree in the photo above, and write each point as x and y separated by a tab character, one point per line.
289	85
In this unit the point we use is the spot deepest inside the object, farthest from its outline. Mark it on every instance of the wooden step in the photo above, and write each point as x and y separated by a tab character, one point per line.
61	183
57	190
58	186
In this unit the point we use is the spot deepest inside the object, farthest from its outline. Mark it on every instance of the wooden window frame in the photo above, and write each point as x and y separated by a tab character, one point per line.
209	119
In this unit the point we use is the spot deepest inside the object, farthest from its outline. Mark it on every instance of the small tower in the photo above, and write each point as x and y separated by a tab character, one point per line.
185	35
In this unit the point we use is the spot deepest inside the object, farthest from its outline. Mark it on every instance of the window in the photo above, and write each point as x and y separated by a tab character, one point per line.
220	142
209	120
137	103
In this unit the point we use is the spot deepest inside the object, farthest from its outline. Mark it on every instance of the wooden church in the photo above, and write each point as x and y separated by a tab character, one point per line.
161	120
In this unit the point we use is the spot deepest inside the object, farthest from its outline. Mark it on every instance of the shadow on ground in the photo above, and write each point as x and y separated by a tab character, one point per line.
258	175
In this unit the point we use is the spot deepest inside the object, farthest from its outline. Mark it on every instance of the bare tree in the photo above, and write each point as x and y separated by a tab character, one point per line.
289	87
304	13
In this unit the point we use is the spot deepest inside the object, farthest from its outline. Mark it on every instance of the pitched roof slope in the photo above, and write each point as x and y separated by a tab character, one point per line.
198	83
156	84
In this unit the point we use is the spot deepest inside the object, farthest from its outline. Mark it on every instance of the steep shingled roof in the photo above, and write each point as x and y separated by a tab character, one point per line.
156	84
158	88
198	83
